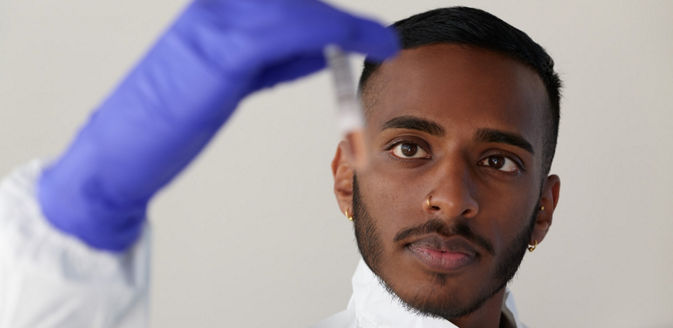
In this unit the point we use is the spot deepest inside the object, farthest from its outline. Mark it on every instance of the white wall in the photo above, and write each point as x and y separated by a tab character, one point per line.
251	236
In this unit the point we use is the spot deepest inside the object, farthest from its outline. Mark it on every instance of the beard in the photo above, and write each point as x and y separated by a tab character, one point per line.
371	248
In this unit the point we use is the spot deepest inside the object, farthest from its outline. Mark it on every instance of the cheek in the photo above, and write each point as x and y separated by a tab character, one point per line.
505	212
391	202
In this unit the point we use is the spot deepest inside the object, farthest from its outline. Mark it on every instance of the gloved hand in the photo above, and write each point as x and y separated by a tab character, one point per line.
172	103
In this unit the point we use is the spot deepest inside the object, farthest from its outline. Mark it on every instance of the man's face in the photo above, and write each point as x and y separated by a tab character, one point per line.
450	197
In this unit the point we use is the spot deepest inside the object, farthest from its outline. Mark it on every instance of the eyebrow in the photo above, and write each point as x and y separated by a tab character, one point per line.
491	135
414	123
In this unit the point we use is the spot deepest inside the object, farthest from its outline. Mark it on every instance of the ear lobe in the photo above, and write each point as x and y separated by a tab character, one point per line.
342	172
549	199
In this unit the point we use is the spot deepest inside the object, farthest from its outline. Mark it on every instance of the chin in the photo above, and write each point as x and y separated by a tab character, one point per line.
440	295
435	302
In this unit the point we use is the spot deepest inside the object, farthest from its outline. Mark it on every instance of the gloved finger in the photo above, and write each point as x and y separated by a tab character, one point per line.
309	26
370	38
290	69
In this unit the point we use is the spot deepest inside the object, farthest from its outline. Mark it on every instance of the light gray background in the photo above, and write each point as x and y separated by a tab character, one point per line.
250	235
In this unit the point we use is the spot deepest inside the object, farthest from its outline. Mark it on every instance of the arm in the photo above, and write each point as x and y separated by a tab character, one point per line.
170	105
73	247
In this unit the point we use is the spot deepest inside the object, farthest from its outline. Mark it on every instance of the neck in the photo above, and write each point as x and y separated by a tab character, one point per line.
488	315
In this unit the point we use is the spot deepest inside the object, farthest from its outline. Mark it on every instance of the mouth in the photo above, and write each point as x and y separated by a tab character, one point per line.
444	255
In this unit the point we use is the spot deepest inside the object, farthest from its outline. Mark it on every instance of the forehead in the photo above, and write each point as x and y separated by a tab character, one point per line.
460	87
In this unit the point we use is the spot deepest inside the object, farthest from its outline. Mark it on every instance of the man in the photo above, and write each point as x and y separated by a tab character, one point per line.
462	128
460	132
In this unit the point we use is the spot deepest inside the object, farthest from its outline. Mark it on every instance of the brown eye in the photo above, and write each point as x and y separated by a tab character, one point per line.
496	162
501	163
408	150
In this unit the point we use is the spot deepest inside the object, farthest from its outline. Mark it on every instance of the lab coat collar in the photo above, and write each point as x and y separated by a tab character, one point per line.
375	307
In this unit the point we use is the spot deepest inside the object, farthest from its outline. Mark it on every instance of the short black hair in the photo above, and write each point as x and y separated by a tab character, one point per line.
475	27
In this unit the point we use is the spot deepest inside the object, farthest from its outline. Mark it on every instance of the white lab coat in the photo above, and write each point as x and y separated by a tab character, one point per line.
48	279
372	306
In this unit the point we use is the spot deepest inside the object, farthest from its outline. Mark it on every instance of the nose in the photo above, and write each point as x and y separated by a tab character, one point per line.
452	193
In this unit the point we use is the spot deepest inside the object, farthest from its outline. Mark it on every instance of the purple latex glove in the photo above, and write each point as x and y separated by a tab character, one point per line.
172	103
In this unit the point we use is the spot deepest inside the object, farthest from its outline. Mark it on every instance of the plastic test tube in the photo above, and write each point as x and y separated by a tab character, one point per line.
350	118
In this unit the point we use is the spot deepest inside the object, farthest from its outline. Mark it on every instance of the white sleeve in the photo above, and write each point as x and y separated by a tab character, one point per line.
49	279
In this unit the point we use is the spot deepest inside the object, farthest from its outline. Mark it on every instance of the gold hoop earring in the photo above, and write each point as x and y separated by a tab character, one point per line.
542	208
349	217
532	247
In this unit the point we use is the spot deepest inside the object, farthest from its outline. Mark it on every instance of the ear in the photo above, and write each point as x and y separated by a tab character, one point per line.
548	199
342	171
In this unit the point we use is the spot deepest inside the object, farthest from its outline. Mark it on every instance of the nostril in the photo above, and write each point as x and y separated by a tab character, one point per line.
434	207
467	212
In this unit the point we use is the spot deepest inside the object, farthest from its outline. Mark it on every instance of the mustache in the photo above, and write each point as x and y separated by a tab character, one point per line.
459	228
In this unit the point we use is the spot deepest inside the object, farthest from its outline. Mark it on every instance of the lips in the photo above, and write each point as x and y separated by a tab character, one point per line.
441	254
